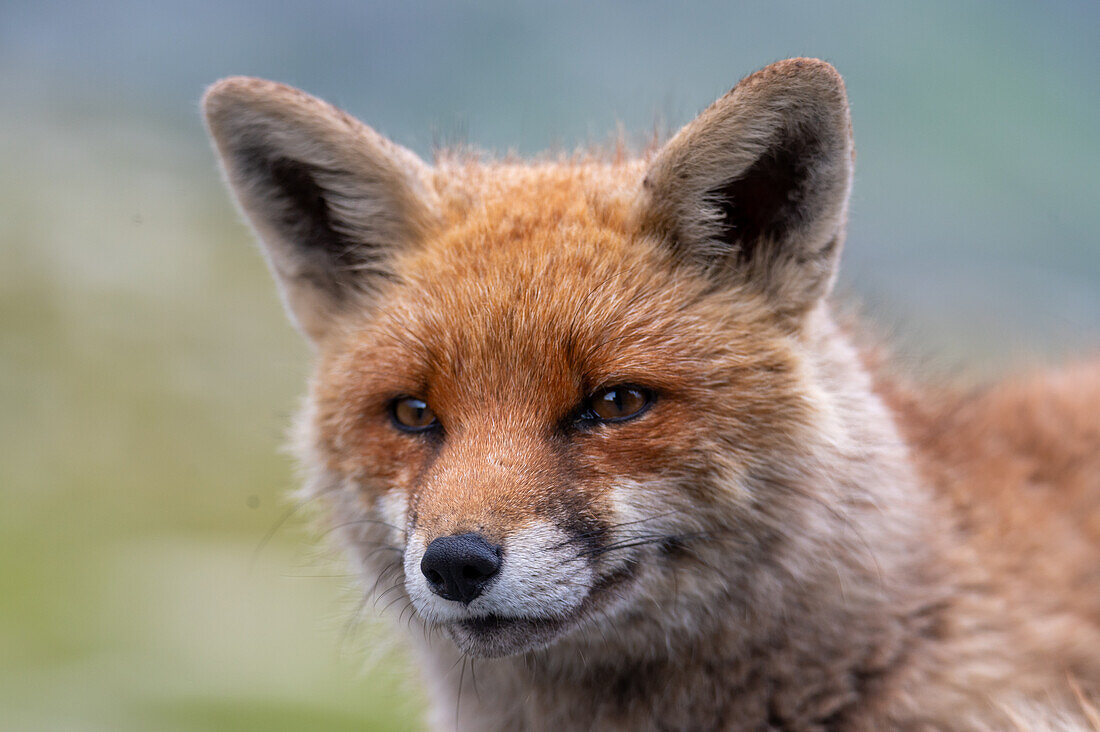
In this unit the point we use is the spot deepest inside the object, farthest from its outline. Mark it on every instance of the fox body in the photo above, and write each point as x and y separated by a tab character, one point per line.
591	424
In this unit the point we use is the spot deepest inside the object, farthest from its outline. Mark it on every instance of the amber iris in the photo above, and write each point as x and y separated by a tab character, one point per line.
617	403
412	414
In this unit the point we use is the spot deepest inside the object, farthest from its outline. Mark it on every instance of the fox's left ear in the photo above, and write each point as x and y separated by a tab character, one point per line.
755	190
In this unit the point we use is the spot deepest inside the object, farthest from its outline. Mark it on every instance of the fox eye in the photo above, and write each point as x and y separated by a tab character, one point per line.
412	415
617	404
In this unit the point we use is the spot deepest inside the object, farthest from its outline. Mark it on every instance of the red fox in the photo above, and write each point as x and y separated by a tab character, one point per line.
593	421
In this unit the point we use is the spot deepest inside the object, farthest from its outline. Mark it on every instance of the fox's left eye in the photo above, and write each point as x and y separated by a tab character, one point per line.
412	415
617	404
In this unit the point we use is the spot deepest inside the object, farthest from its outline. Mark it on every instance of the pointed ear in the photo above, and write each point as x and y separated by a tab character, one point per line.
755	190
329	198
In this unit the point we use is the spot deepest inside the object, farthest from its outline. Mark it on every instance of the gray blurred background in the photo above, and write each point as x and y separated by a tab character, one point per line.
147	372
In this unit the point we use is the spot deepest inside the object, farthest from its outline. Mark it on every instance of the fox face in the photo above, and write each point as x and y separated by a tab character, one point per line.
538	416
559	397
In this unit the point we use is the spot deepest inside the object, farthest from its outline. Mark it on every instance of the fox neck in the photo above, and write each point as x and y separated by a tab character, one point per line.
793	637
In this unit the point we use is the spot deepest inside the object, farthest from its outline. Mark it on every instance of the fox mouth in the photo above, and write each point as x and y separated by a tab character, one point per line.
491	636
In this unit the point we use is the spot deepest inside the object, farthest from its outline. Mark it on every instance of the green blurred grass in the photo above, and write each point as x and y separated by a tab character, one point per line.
146	375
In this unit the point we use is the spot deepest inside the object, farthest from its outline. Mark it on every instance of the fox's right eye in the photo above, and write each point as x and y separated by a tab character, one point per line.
412	415
617	404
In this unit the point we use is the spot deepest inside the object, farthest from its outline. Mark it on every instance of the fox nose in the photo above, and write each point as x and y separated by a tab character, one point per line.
459	567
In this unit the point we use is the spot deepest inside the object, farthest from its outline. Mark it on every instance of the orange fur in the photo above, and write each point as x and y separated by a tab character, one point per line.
789	537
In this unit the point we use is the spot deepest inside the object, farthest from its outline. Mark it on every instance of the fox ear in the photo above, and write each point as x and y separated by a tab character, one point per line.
329	198
756	188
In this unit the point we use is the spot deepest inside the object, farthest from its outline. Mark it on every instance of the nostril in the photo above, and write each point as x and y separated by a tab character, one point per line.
460	567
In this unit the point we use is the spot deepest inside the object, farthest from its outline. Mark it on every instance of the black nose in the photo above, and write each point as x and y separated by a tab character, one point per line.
459	567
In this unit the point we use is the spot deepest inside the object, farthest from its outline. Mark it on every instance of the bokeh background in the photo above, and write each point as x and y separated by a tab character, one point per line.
147	372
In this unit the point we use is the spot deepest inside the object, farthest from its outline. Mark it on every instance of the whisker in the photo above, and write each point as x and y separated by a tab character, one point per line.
356	522
384	548
392	587
281	521
384	574
392	602
352	622
473	677
458	698
412	615
613	527
642	541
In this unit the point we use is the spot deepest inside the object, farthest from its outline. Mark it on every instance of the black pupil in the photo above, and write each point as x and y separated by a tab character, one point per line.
617	398
414	412
617	403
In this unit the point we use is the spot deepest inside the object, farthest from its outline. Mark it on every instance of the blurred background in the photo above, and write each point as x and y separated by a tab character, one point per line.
147	372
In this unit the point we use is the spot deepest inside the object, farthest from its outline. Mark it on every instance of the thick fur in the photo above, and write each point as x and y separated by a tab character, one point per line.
789	537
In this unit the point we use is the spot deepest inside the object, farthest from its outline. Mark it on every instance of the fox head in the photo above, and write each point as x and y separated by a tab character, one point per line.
558	395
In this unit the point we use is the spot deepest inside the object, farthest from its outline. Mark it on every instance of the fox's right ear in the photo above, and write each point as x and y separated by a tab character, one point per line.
329	198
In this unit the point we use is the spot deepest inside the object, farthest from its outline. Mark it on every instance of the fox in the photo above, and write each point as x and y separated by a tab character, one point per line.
595	425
